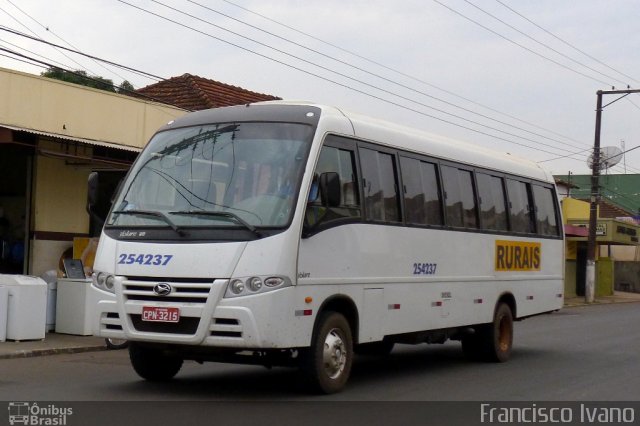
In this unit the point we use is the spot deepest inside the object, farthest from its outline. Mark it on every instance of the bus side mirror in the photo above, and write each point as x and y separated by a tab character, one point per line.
92	190
330	189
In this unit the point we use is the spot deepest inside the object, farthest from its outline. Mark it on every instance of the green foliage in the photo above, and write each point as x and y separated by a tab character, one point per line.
82	78
125	88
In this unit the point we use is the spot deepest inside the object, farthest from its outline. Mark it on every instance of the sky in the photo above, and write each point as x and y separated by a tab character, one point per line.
512	75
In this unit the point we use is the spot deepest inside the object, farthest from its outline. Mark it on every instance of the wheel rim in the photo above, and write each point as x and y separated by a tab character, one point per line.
334	354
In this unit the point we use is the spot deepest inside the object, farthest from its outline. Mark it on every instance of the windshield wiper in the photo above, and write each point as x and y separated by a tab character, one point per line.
152	213
228	215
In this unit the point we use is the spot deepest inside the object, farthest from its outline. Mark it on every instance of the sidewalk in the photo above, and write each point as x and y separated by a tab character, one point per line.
55	343
617	297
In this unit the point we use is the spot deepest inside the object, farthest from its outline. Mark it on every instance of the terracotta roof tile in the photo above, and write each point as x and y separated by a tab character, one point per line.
608	210
196	93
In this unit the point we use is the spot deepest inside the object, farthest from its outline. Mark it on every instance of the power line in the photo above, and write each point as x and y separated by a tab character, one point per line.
142	73
521	45
321	67
602	159
5	42
336	82
565	42
396	71
32	32
60	38
564	156
388	80
543	44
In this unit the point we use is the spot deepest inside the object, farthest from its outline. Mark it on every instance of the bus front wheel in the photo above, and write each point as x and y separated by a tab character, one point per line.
153	364
327	363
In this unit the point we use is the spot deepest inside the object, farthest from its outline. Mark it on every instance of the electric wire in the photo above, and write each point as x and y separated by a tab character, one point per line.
544	44
75	51
402	74
373	96
32	32
330	70
141	73
383	90
15	46
388	80
48	30
560	64
566	42
396	71
455	124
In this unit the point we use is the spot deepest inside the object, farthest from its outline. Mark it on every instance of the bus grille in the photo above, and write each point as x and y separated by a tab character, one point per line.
182	290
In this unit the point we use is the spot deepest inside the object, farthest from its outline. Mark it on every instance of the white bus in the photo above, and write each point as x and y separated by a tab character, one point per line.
292	234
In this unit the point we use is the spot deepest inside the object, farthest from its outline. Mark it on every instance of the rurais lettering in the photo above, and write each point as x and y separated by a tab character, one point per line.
517	256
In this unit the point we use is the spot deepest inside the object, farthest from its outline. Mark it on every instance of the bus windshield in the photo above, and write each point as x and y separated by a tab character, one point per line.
220	175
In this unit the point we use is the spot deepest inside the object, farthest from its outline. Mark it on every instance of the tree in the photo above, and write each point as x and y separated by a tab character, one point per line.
125	88
80	77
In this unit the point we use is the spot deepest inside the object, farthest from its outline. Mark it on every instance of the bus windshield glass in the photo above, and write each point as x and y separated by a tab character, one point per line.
220	175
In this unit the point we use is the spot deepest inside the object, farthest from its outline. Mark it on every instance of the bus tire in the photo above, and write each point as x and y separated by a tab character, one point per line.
491	342
116	343
152	364
498	336
327	363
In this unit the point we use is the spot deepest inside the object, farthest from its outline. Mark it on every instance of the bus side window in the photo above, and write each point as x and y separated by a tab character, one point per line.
546	214
461	209
380	186
342	162
493	209
520	210
421	192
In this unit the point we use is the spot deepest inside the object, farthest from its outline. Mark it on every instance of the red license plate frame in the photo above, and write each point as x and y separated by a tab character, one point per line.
160	314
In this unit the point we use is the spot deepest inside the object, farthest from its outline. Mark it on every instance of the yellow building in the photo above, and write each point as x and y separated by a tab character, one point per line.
52	135
616	239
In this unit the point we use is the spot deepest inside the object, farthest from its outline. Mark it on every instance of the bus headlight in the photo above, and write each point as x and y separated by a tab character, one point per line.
109	282
246	286
237	287
103	281
255	284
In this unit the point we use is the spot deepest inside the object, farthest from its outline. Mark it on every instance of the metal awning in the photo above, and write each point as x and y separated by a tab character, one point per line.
74	139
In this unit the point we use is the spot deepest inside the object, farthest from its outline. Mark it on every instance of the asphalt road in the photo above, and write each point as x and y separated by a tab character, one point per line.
579	354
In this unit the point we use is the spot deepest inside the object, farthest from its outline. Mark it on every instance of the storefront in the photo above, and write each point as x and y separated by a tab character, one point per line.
52	135
612	235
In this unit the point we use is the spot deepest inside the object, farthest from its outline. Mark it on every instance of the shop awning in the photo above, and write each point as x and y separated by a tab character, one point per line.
74	139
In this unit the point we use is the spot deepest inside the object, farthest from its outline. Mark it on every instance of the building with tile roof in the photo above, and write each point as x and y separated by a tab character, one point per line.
195	93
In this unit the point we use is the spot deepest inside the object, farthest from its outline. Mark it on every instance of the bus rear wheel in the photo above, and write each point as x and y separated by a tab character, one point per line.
153	364
492	342
327	363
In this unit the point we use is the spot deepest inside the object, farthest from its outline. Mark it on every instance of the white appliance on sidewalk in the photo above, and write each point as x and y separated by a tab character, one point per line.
23	306
73	306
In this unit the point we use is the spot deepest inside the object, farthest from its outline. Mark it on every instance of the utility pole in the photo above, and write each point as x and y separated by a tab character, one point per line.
590	285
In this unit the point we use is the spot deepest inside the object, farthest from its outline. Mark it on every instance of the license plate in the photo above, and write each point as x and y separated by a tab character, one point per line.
160	314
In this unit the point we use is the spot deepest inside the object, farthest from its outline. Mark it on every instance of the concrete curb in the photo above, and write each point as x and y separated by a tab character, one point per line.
580	302
30	353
